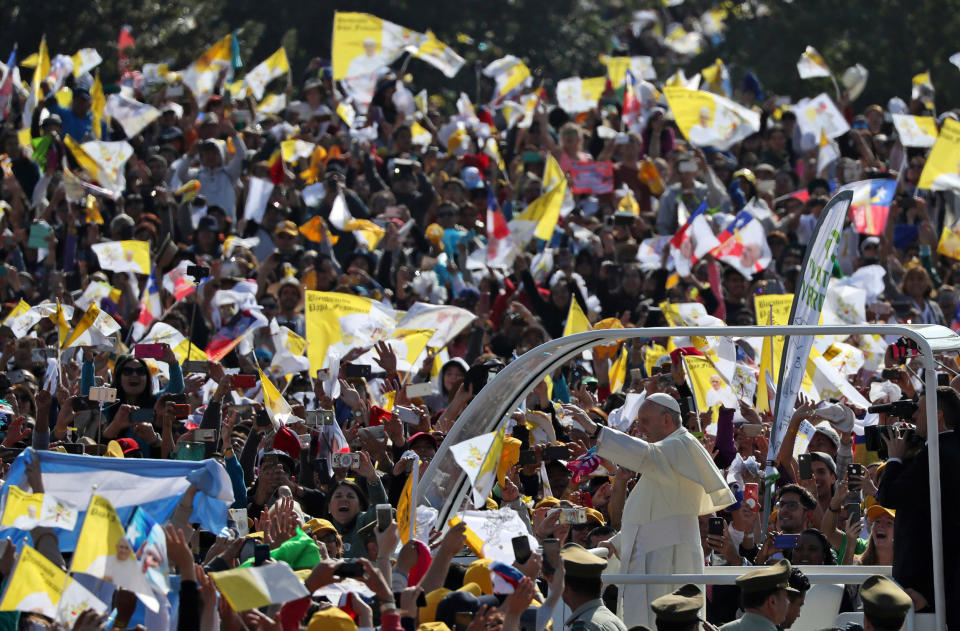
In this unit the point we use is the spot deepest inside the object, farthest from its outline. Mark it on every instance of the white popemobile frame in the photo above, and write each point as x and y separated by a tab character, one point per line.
444	484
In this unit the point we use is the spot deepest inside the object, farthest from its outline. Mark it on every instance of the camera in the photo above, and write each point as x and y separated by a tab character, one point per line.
350	460
873	437
572	516
198	272
904	408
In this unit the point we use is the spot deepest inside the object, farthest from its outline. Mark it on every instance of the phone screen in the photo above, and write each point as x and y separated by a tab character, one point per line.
551	555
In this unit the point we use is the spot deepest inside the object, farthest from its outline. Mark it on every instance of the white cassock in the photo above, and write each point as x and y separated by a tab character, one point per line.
660	532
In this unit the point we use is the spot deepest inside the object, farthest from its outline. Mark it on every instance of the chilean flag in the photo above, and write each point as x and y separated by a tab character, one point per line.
632	107
150	308
499	245
871	204
692	241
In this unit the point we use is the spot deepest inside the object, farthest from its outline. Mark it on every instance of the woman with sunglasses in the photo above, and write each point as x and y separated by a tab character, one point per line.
131	378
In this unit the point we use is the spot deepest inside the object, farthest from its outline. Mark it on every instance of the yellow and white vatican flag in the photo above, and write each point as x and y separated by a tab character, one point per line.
94	329
40	69
942	169
124	256
201	76
828	153
576	95
542	215
820	114
641	67
338	322
85	60
26	511
916	131
132	115
366	232
163	333
110	159
510	75
276	406
437	54
479	457
811	64
364	43
710	120
276	65
922	89
15	321
34	586
272	104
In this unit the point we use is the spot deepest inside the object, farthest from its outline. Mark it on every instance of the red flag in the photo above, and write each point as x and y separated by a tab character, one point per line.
124	42
276	167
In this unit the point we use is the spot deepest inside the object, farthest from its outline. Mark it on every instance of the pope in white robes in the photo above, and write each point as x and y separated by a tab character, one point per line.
660	532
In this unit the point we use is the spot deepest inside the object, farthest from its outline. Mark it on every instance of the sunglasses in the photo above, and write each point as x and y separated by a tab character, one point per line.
133	371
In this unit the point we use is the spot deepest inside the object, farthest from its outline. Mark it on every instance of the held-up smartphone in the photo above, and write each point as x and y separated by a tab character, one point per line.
716	526
943	379
262	419
350	569
384	516
196	366
16	376
143	415
102	394
803	464
198	272
40	355
572	516
551	555
751	430
751	496
180	410
407	415
855	469
890	374
316	418
205	435
72	448
191	451
521	433
261	552
244	381
521	548
419	390
349	460
247	550
786	542
853	512
636	376
356	371
555	453
148	351
79	403
527	457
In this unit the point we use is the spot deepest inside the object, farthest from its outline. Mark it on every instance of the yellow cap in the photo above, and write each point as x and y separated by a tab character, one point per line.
549	502
479	573
429	613
332	619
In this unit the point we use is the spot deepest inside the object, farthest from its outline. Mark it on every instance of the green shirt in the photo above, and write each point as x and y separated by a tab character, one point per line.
841	552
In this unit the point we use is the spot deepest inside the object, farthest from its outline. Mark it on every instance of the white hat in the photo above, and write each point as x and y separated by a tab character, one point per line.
827	430
840	416
665	400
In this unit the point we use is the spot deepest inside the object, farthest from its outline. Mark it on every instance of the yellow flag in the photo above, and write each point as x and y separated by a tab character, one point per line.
473	542
940	172
41	71
63	329
545	210
618	371
488	470
577	321
92	210
35	585
277	407
654	353
218	52
97	102
709	387
713	76
404	507
83	158
21	308
89	317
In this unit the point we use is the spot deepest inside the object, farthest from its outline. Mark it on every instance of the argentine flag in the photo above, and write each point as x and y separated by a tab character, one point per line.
156	486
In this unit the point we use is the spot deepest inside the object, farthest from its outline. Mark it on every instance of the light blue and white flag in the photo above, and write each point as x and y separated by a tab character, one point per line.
154	485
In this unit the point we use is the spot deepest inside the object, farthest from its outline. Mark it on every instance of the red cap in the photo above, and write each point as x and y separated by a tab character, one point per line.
677	353
420	435
127	445
287	441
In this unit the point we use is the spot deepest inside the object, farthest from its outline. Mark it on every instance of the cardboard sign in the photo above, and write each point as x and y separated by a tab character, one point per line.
592	178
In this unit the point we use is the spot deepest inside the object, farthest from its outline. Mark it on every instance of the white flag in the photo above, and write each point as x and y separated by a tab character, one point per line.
258	194
811	64
132	115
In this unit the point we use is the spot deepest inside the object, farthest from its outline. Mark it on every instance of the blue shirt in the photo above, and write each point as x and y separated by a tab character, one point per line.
80	129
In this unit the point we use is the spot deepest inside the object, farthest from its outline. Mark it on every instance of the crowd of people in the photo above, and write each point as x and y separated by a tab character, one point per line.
208	361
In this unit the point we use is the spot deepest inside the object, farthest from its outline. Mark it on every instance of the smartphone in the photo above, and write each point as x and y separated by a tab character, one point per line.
101	394
551	555
943	379
40	355
665	381
356	371
666	368
891	374
244	381
143	415
239	516
853	512
261	552
205	435
247	550
751	496
786	542
527	457
855	469
803	464
407	415
716	526
148	351
636	376
384	516
521	548
79	403
531	156
191	451
71	448
572	516
419	390
521	433
375	432
16	376
262	419
350	569
421	600
180	410
196	366
347	460
316	418
555	453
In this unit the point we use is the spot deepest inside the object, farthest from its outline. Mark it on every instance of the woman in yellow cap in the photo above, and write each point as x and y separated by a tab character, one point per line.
880	544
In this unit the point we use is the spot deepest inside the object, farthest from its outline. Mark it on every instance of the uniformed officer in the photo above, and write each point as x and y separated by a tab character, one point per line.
581	591
885	604
764	596
679	611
